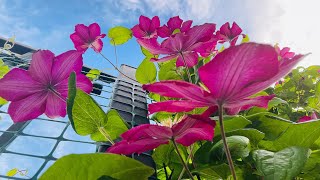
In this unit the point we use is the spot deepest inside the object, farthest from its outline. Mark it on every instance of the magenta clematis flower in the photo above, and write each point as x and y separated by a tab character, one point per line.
147	137
174	23
230	79
86	37
229	34
147	28
44	87
284	52
181	46
308	118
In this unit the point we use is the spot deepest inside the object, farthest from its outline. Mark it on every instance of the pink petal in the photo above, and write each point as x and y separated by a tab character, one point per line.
235	107
155	23
200	33
147	131
235	29
144	23
82	82
64	64
314	115
304	119
178	89
237	68
41	65
83	32
138	32
286	66
94	30
153	46
142	138
175	106
28	108
225	29
18	84
56	107
164	59
186	26
79	44
164	31
140	146
191	59
174	23
192	129
97	45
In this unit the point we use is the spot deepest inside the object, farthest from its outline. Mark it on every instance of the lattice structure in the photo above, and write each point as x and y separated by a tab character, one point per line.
35	145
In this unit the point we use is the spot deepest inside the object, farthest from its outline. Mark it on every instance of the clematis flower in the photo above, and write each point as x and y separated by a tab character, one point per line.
86	37
284	52
147	28
231	77
148	136
229	34
43	88
308	118
174	24
181	46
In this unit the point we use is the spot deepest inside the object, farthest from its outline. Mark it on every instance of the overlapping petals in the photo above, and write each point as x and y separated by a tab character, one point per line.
180	46
44	87
147	137
147	28
284	52
86	37
308	118
229	34
175	24
231	78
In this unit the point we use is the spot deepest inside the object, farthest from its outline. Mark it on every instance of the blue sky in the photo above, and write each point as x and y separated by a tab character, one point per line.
48	24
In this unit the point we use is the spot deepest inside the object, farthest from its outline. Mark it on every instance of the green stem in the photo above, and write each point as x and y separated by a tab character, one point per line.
114	66
225	144
187	69
181	159
189	157
105	134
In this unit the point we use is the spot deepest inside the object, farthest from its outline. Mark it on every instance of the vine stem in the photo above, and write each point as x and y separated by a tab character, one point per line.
181	159
225	144
188	158
105	134
115	67
187	69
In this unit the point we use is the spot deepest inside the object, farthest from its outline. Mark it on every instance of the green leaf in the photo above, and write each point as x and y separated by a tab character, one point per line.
146	72
94	166
119	35
217	172
245	39
154	96
89	119
93	74
114	126
214	153
168	71
232	123
12	172
147	53
72	91
311	170
3	101
297	134
275	102
269	124
254	135
282	165
4	69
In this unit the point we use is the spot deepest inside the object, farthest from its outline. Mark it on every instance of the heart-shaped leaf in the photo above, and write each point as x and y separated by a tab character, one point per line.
95	166
282	165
